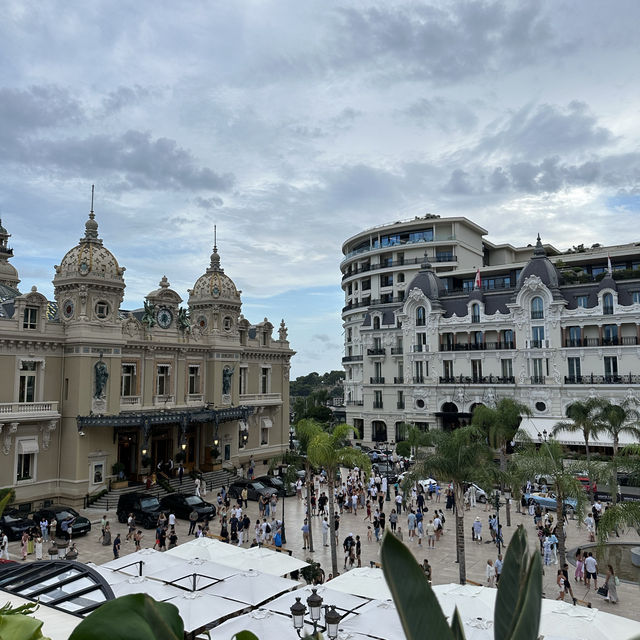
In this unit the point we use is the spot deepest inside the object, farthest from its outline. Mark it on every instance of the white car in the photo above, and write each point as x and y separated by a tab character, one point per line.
425	484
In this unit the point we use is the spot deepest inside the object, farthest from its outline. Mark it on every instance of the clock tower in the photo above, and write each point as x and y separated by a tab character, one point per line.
163	304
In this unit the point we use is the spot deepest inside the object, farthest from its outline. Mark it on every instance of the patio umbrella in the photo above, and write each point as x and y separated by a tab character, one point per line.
199	609
195	574
252	587
365	581
343	602
136	584
268	561
142	562
110	575
377	619
206	549
263	623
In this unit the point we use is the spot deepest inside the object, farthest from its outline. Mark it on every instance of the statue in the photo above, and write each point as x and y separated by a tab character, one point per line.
227	372
184	321
149	316
101	375
282	331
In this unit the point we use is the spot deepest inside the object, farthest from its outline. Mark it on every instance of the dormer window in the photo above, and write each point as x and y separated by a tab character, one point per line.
475	313
102	309
376	322
30	318
607	304
537	308
421	317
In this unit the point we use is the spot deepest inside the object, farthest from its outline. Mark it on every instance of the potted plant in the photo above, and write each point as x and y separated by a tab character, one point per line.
119	482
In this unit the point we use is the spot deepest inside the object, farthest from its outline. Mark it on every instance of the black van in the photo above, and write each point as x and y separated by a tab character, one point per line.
145	508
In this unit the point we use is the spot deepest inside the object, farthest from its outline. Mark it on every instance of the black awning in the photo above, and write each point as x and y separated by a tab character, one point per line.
452	414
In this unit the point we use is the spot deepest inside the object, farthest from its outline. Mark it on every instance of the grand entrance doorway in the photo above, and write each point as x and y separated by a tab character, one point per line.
128	452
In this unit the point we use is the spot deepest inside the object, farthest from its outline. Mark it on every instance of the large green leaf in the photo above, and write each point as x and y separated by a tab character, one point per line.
457	628
134	616
415	600
20	627
519	598
245	635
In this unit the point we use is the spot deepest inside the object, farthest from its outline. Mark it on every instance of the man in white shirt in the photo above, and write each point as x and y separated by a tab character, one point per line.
325	532
4	546
172	520
399	503
590	571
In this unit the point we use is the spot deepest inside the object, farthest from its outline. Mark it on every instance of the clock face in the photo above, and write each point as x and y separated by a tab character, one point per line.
68	308
202	322
164	318
84	269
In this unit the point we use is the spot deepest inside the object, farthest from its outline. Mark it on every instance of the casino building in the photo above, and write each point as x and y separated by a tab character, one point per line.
438	319
85	384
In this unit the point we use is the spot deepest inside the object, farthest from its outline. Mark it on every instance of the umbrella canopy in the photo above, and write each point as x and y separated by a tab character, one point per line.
266	560
198	609
136	584
144	562
110	575
252	587
206	549
195	574
378	619
343	602
264	624
366	582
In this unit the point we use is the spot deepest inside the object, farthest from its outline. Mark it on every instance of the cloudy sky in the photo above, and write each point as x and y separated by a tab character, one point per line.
293	125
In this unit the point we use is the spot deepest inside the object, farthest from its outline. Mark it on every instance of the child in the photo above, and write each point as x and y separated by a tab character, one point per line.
369	534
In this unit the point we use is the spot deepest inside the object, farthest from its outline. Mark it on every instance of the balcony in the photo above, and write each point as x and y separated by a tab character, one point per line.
398	380
490	379
355	403
130	403
419	348
260	399
26	411
195	398
537	379
397	351
606	379
418	379
378	405
376	380
377	352
163	400
537	314
400	404
605	342
352	358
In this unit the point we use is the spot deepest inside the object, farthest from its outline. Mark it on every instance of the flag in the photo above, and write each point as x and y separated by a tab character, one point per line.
477	283
609	269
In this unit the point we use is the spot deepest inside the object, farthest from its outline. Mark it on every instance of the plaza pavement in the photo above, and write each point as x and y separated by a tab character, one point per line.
442	558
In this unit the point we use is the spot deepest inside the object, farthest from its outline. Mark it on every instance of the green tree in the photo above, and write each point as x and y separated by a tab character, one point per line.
328	450
547	459
460	456
583	416
500	424
416	437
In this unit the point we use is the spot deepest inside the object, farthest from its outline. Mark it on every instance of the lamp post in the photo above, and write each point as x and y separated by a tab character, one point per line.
497	506
386	451
314	601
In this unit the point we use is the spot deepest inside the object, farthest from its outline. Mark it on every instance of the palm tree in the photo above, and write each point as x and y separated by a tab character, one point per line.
616	419
583	416
547	459
500	423
460	456
329	451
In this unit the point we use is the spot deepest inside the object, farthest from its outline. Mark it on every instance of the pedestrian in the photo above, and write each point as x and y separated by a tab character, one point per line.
426	567
137	539
131	522
431	534
106	537
591	571
180	472
401	537
346	546
44	527
193	520
579	574
393	520
197	483
498	567
358	551
173	539
4	546
560	583
103	522
38	546
476	530
611	583
411	524
23	544
116	547
325	532
305	534
567	582
491	573
546	547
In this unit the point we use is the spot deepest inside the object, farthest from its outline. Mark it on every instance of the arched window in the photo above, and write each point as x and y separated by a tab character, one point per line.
378	431
376	322
420	317
537	308
607	304
400	277
475	313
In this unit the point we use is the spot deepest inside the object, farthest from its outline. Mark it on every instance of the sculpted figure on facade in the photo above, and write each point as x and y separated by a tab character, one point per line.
227	374
149	316
101	376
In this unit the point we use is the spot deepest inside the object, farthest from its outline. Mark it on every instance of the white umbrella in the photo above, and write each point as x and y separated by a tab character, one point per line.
252	587
268	561
378	619
264	624
110	575
343	602
365	581
194	574
206	549
198	609
142	562
137	584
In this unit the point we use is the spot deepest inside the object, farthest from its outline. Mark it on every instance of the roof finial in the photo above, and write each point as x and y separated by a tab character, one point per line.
92	189
539	249
425	262
91	226
215	238
215	258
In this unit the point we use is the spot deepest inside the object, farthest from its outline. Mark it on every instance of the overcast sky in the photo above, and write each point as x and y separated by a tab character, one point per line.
294	124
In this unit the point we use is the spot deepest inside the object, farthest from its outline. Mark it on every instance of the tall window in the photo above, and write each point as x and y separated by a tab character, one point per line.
25	466
244	372
376	322
582	301
264	435
537	371
506	366
607	304
610	368
30	320
447	368
508	338
377	370
421	341
194	379
610	334
377	399
575	337
162	381
265	380
635	297
421	317
128	380
537	308
27	386
475	313
537	336
476	370
575	374
400	403
419	369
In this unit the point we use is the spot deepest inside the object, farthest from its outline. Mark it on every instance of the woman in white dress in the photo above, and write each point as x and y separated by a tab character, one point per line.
38	545
198	487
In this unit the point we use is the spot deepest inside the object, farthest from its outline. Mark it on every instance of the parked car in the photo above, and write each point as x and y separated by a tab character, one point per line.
255	489
385	470
548	500
278	484
61	513
13	523
481	494
145	508
182	505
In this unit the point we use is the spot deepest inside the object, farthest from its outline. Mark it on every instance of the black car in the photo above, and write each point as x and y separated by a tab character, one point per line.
255	489
182	505
278	484
385	471
59	513
13	524
145	508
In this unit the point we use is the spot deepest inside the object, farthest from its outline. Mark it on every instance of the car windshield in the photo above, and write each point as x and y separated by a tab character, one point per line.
258	485
11	517
193	500
149	503
276	481
65	514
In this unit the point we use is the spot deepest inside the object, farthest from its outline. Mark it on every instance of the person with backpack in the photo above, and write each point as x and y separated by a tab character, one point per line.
348	543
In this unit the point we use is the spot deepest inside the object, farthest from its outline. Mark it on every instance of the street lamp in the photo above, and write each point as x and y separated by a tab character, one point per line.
314	601
497	505
542	437
386	451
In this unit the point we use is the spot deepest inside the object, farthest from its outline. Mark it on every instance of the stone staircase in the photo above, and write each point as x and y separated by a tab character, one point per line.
214	480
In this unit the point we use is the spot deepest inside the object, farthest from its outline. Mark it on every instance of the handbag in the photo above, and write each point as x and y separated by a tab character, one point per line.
603	590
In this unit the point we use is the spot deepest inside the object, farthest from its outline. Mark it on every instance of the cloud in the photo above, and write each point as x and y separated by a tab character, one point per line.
209	203
445	114
122	97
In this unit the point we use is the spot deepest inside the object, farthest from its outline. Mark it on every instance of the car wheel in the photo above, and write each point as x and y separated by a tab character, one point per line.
148	523
482	499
